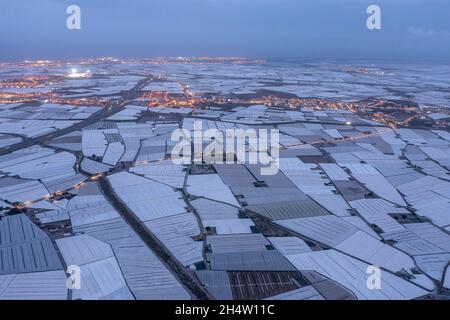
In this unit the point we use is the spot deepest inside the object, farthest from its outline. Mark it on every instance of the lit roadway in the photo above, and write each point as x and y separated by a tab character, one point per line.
116	106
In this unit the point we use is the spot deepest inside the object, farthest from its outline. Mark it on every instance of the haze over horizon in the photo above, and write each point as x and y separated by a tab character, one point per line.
412	30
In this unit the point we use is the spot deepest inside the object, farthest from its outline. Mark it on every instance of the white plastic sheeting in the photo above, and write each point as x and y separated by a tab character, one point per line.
352	274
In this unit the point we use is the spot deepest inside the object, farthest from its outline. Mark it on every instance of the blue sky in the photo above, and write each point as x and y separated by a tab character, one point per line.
411	29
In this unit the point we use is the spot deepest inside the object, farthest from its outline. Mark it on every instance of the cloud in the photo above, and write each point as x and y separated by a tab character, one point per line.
418	31
424	32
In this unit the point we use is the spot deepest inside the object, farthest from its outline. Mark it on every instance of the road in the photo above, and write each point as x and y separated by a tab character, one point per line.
127	97
185	276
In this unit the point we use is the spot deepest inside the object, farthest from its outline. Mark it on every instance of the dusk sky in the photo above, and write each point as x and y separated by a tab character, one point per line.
411	29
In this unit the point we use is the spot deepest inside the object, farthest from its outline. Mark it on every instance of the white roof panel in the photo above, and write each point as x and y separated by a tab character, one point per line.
212	187
50	285
352	274
176	233
230	226
83	249
289	245
329	230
